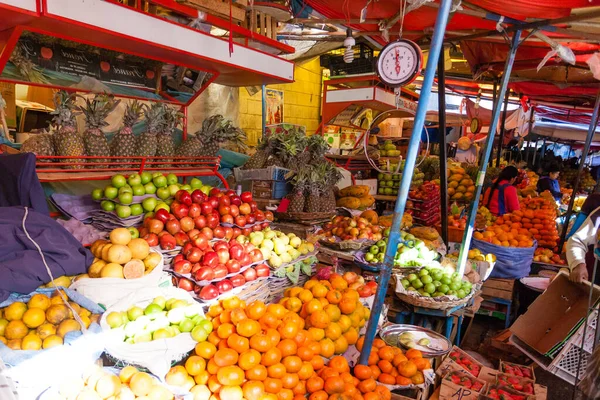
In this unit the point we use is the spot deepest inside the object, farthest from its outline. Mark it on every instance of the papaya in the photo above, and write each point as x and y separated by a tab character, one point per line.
455	177
457	170
355	191
366	201
349	202
370	216
453	185
457	196
466	182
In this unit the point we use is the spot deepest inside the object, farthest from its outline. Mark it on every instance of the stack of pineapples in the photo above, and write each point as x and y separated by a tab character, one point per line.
156	140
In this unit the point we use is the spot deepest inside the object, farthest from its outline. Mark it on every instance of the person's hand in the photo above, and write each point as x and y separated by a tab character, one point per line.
579	274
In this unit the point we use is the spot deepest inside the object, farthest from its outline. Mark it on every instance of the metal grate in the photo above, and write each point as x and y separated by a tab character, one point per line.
364	61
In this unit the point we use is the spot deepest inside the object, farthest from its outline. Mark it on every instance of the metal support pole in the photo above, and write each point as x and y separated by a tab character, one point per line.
494	101
489	142
501	135
527	151
584	154
411	156
264	110
443	149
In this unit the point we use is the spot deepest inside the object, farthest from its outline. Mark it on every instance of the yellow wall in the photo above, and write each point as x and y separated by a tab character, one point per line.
302	102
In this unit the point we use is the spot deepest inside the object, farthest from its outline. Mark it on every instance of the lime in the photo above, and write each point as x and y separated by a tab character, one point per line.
374	249
423	272
451	293
446	280
186	325
426	279
199	334
161	334
460	293
437	284
152	309
206	325
114	319
405	283
437	294
417	284
107	205
455	285
411	289
134	313
429	288
467	286
160	301
412	277
444	289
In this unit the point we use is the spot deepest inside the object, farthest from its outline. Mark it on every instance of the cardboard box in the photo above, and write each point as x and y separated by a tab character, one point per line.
464	391
488	375
495	388
7	90
520	384
449	364
499	288
555	315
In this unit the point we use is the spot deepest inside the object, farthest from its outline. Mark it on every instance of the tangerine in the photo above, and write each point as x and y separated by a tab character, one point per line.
205	350
226	357
238	343
258	373
314	384
333	385
413	353
362	372
273	385
249	359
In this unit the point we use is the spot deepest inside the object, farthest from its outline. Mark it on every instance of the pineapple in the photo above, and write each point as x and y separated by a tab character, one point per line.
296	197
332	176
206	142
96	111
123	143
165	142
67	141
39	144
292	146
317	147
155	119
313	199
259	159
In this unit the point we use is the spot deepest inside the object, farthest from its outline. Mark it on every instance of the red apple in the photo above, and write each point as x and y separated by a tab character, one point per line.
213	201
240	221
193	233
185	284
187	224
196	267
269	216
178	257
235	199
204	274
143	231
234	210
223	255
227	219
220	271
249	274
256	255
249	247
260	216
211	259
236	251
246	231
264	225
207	232
194	255
151	238
230	193
155	226
180	210
257	227
262	270
246	260
182	267
181	238
224	209
245	209
198	196
221	244
238	280
209	292
228	233
253	206
212	221
167	242
162	215
219	232
350	277
194	210
206	209
214	192
184	197
233	266
250	219
200	222
224	201
236	232
201	242
246	197
224	286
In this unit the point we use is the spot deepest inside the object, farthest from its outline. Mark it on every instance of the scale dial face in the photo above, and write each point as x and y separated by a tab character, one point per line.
475	126
399	63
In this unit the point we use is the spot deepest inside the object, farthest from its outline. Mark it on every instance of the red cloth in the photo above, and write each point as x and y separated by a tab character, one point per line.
511	201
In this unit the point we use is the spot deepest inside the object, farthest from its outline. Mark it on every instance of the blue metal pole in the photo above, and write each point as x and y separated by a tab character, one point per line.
264	110
409	168
489	143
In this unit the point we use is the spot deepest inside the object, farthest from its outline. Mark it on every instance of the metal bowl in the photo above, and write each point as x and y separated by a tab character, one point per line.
439	345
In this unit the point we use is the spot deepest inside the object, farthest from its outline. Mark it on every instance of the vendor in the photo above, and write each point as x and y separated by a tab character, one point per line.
501	197
580	245
550	182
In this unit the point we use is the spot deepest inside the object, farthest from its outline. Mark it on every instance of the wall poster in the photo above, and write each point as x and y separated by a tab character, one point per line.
274	100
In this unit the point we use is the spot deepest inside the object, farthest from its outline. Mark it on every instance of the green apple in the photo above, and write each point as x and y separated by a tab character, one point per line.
206	189
196	183
149	188
107	205
134	235
137	209
163	193
186	187
134	179
126	189
123	211
186	325
138	190
162	205
146	177
160	301
111	192
118	181
149	203
172	179
199	334
173	189
97	194
125	198
206	324
169	201
134	313
159	181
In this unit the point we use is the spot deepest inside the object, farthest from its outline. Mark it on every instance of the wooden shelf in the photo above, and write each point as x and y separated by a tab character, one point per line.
382	197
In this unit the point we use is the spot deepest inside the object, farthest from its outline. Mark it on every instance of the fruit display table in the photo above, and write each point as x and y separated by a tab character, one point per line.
446	315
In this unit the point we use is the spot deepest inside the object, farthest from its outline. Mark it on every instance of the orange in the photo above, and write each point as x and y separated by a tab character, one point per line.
373	358
292	363
421	363
340	364
418	378
305	295
225	316
214	338
334	296
300	388
290	380
249	359
385	366
271	357
333	331
231	302
386	353
287	347
237	315
351	336
362	372
407	369
328	372
212	367
333	311
340	345
379	343
253	390
327	348
306	371
230	376
347	377
273	336
34	317
226	357
276	371
305	353
403	381
375	371
269	320
398	358
383	392
319	319
238	343
248	328
288	330
285	394
213	384
314	384
258	373
334	385
256	310
413	353
316	334
319	395
368	385
202	378
277	310
301	337
260	342
317	362
194	365
273	385
314	346
387	379
359	343
319	290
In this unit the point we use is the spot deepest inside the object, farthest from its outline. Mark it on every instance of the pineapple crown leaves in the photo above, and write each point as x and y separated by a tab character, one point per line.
65	110
173	118
97	109
133	112
218	129
317	146
301	178
155	117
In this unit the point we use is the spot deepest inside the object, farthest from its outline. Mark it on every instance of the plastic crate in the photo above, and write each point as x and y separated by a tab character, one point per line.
272	173
267	189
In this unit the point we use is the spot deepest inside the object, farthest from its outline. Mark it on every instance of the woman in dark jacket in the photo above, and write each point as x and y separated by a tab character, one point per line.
550	182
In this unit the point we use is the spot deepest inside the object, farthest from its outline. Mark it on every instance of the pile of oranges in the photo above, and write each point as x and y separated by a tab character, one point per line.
331	310
389	365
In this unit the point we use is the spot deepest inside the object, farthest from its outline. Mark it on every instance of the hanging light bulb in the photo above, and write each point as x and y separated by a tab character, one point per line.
349	42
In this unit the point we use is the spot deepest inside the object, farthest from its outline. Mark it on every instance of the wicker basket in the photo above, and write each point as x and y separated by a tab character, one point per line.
347	245
428	302
305	216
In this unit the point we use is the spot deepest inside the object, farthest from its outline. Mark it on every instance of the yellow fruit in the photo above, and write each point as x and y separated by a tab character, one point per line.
45	330
86	321
88	394
31	342
453	185
127	373
349	202
40	301
112	270
68	325
455	178
63	281
95	268
161	393
105	250
52	341
15	330
119	254
34	317
120	236
57	313
139	248
15	311
461	189
107	386
3	323
3	340
14	344
141	383
152	261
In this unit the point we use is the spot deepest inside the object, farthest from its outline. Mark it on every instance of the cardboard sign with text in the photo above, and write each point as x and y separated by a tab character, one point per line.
460	385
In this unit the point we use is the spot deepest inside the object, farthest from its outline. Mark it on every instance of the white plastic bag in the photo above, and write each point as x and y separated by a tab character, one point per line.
109	291
156	355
